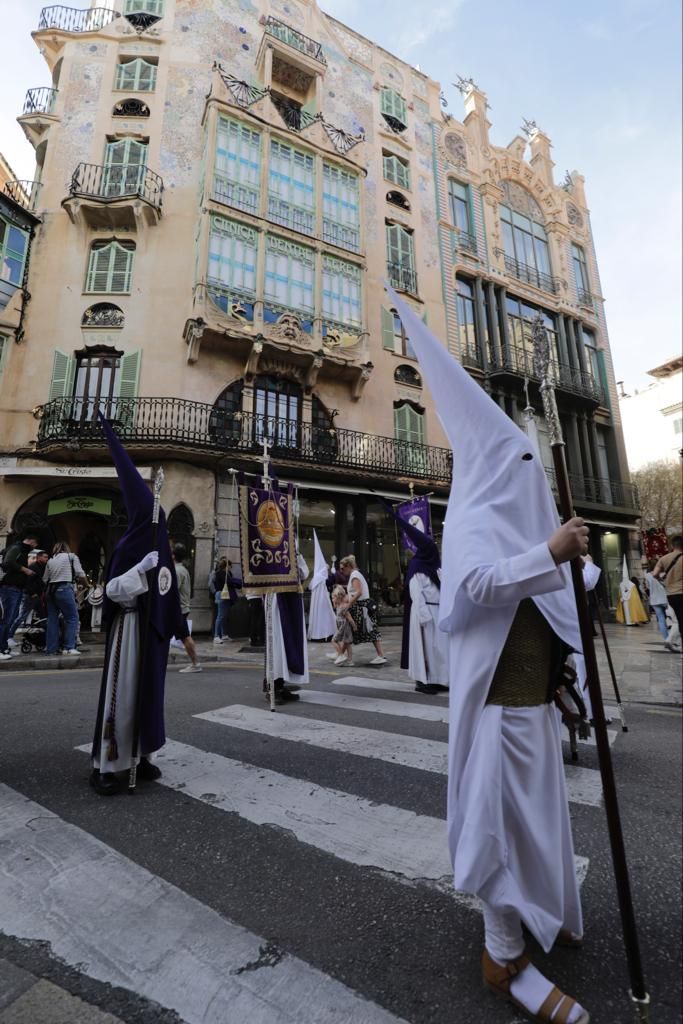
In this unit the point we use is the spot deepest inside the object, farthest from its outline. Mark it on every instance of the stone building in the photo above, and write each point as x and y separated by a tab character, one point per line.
653	416
223	189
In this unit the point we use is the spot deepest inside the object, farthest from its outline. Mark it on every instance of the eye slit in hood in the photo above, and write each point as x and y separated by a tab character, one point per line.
528	457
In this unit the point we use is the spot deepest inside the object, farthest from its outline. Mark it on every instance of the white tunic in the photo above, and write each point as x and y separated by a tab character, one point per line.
428	654
508	817
123	590
321	618
281	669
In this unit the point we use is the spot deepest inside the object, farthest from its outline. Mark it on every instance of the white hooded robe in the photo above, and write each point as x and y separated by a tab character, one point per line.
509	830
321	619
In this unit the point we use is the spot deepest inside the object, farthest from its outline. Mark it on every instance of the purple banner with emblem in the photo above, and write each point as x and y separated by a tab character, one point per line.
267	545
418	513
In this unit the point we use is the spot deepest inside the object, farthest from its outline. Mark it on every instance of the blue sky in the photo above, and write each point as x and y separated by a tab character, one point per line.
601	77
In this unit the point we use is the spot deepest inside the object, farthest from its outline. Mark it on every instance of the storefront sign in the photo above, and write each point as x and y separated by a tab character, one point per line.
98	506
9	467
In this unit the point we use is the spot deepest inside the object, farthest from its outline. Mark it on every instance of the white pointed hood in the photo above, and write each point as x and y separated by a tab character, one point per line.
501	503
320	567
625	578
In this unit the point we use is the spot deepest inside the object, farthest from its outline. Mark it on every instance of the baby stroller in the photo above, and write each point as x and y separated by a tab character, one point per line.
34	637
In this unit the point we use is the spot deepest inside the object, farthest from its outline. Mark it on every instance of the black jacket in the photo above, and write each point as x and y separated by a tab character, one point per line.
15	557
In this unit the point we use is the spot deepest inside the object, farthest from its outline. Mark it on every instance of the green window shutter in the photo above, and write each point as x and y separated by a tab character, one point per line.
400	246
394	105
129	374
63	376
387	329
110	269
137	75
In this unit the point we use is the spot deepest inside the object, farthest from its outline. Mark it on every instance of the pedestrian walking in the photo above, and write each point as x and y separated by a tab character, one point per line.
363	609
32	602
508	606
62	572
185	595
658	600
15	573
219	576
669	568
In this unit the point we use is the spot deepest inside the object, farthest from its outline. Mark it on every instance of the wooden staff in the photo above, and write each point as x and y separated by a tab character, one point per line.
620	706
639	996
144	633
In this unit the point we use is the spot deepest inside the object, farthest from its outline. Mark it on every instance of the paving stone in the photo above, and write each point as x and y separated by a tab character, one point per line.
45	1003
13	982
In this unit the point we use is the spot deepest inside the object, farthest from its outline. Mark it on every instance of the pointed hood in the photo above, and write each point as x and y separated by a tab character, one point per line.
140	538
320	567
625	578
501	503
426	558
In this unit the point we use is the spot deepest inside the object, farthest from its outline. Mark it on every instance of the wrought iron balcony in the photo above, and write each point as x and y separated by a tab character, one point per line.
403	279
23	192
287	34
467	242
107	183
586	299
40	101
180	424
71	19
520	362
530	275
588	490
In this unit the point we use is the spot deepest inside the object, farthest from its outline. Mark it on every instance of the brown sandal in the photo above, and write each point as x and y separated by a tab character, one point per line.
498	978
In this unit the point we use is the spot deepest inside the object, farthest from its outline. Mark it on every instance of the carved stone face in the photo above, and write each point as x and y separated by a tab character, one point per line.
289	327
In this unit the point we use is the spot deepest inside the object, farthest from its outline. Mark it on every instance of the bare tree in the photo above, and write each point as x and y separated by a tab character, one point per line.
660	485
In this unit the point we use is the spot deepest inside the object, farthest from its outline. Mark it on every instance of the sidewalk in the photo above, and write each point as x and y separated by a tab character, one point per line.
646	672
25	999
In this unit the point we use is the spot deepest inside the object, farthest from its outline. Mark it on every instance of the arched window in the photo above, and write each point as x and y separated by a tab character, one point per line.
398	199
130	108
181	531
404	374
225	422
137	75
277	410
110	266
524	236
103	314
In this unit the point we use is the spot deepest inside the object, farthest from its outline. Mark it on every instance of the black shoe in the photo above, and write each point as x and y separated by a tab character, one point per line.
148	771
429	688
279	699
105	783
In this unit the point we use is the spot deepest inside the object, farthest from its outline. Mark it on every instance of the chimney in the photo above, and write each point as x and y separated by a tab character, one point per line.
540	146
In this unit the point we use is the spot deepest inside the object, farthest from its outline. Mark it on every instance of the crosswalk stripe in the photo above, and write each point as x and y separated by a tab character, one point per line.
389	685
148	936
375	705
360	831
410	847
583	784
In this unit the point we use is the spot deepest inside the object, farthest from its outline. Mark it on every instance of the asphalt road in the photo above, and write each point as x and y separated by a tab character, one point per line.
326	850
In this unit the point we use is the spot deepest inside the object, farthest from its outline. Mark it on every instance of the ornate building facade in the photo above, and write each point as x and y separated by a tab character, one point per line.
222	191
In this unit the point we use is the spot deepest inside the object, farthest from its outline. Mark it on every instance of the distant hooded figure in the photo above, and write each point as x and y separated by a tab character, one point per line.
424	647
630	611
508	607
140	587
321	619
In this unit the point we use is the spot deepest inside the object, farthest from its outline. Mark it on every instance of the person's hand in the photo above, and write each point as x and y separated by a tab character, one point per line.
570	541
150	561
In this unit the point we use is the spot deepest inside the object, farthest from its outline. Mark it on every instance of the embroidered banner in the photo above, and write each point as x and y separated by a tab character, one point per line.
267	545
418	513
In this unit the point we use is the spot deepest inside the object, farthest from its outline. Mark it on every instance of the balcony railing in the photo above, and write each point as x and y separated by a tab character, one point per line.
467	242
40	101
71	19
196	426
23	192
586	299
530	275
520	361
588	490
106	183
298	40
403	279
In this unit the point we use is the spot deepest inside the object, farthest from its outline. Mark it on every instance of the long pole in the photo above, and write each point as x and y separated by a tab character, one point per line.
639	995
144	635
608	653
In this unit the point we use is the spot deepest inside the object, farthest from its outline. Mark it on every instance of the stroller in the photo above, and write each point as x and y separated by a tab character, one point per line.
34	637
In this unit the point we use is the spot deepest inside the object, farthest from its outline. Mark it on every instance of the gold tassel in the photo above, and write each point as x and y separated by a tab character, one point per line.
107	730
113	751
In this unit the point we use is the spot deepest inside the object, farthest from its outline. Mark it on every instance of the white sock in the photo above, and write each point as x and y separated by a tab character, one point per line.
505	942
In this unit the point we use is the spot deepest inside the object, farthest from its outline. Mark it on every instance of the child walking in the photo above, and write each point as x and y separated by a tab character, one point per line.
343	638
